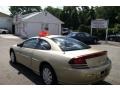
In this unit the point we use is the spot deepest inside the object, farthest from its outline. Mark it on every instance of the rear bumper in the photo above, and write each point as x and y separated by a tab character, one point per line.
84	76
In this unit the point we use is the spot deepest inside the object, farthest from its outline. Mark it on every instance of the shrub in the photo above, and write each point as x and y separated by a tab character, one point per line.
84	28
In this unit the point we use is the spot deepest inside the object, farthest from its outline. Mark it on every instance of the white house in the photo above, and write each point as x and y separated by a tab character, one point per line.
5	21
30	25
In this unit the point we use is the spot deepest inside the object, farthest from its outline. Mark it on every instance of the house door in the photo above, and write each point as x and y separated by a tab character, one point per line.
13	29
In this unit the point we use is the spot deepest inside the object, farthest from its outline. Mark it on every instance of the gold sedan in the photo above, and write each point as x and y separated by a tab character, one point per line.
59	59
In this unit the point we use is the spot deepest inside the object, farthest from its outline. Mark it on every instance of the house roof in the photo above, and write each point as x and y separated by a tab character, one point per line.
27	16
3	15
40	15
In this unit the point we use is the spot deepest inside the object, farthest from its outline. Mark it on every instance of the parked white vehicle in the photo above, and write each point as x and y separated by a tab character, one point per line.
4	31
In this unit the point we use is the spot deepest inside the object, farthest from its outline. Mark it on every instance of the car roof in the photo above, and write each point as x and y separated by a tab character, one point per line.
49	36
74	32
52	36
78	32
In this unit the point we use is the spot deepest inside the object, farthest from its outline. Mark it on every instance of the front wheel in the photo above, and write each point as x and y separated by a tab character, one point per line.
12	56
95	41
3	32
111	39
48	75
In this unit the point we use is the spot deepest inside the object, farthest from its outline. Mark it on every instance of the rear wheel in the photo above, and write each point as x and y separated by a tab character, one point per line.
95	41
48	75
12	56
3	32
111	39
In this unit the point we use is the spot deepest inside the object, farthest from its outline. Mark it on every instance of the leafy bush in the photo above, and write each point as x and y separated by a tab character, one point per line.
116	28
84	28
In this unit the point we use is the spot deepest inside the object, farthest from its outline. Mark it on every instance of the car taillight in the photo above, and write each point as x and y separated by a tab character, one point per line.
79	60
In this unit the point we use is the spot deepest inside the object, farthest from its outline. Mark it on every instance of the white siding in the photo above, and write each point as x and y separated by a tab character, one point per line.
6	22
53	29
32	29
59	29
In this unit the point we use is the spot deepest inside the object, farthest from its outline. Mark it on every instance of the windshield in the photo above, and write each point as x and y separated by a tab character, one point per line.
69	44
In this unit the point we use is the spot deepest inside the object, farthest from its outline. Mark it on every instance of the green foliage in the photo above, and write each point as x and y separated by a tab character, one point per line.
111	13
55	11
23	9
116	28
70	17
84	28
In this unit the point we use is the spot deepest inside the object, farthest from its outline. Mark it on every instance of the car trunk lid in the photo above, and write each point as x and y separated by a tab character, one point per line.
92	58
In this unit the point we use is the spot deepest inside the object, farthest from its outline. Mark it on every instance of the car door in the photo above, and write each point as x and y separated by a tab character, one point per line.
89	38
25	52
81	37
41	53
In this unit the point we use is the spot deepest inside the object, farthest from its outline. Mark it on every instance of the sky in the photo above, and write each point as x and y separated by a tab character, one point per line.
5	9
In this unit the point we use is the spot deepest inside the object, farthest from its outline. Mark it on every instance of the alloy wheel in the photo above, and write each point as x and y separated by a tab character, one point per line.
47	76
12	56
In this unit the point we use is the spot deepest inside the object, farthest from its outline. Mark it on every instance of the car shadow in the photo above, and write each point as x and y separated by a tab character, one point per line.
36	79
102	83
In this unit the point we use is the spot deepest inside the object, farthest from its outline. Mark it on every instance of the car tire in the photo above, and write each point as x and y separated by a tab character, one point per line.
111	39
95	41
13	57
3	32
48	75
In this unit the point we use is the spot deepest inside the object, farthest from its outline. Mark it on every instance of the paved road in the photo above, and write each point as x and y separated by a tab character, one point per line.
20	75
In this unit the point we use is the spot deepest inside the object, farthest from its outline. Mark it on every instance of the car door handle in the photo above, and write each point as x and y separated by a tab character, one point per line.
35	59
24	55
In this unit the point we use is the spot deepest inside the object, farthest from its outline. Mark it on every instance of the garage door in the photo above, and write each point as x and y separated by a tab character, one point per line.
32	29
53	29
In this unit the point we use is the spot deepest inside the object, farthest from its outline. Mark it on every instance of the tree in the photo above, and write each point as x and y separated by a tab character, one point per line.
24	9
55	11
86	14
110	13
70	17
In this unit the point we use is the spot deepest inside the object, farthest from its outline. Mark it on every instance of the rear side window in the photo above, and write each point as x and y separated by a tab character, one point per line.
87	35
69	44
80	35
31	43
43	45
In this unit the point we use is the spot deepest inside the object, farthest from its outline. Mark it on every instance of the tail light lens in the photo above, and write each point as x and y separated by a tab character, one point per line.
79	60
78	63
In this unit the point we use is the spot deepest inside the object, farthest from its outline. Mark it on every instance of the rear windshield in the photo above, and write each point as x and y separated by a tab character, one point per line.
87	35
72	34
69	44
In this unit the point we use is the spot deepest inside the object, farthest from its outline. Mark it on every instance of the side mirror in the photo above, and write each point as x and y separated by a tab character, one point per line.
20	45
